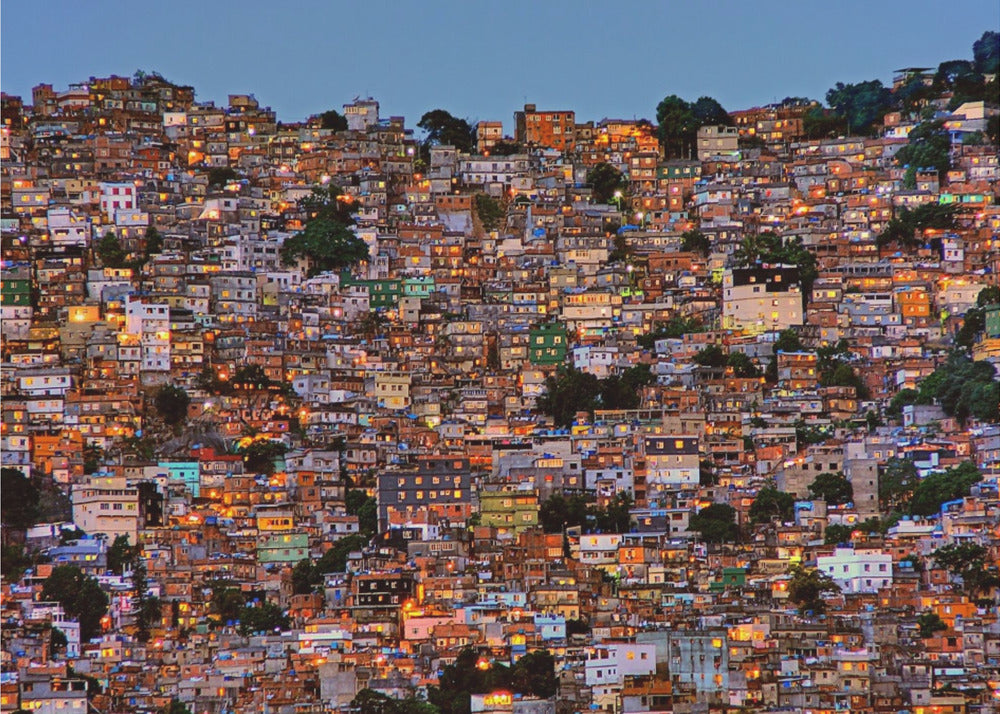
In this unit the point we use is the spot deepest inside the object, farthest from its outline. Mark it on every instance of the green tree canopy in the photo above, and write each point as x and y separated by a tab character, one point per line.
742	365
678	126
906	228
332	119
897	479
221	175
862	104
558	512
772	503
837	533
263	617
80	595
154	242
970	562
928	147
808	587
171	403
708	112
491	212
360	504
834	488
259	456
327	242
109	250
567	392
327	245
605	180
679	121
986	53
715	523
930	622
532	675
710	356
443	128
121	554
334	560
694	241
674	328
19	505
938	488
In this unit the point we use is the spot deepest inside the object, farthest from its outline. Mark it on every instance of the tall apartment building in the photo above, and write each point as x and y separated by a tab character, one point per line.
761	299
552	129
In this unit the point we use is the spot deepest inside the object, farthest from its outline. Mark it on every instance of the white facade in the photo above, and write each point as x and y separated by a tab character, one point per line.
857	571
150	324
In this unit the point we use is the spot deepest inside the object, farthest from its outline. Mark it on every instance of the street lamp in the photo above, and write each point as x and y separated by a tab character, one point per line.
618	200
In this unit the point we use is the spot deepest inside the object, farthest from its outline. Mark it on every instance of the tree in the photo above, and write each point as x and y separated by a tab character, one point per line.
443	128
708	112
837	533
986	53
807	588
930	622
468	674
716	523
616	517
678	125
227	600
624	391
327	246
710	356
20	503
110	251
819	123
305	577
177	707
171	404
264	617
259	456
906	228
965	388
834	488
928	147
154	241
971	563
897	479
147	609
490	211
92	454
221	175
332	119
535	675
742	365
939	488
334	560
121	554
862	104
769	247
843	375
369	701
788	341
605	180
567	392
80	595
675	327
772	503
360	504
694	241
558	512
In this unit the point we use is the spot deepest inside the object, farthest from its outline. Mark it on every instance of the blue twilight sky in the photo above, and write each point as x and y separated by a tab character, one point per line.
483	60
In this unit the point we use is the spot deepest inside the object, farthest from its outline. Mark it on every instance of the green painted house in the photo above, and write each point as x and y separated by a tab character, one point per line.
547	345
